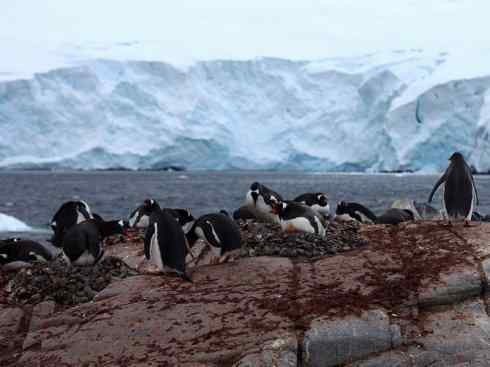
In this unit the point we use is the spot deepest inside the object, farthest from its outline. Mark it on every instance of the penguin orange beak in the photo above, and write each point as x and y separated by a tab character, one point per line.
275	210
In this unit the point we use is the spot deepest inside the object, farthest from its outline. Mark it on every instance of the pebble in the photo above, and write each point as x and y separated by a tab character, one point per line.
265	239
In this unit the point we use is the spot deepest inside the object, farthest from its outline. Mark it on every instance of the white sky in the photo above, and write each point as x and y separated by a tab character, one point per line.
40	31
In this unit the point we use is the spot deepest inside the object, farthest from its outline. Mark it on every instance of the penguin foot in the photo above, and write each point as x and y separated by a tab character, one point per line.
468	224
229	256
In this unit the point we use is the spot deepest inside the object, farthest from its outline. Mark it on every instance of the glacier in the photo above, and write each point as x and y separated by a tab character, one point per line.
12	224
399	110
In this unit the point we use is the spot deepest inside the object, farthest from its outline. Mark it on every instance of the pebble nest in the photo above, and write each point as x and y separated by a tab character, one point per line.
64	284
264	239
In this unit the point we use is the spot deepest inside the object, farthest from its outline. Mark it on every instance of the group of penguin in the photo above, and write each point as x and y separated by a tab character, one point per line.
171	233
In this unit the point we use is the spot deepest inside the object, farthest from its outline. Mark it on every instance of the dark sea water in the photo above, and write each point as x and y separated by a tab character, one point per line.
33	197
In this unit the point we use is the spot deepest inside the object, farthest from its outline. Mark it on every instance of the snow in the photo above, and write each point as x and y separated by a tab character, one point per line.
12	224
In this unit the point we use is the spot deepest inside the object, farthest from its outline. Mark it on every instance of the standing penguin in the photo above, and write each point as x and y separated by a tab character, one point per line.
140	217
317	201
217	229
69	214
83	243
259	199
460	194
165	243
297	217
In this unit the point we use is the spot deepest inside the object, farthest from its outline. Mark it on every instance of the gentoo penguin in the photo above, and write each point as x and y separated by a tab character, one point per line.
244	213
69	214
317	201
395	216
460	194
259	200
140	217
297	217
218	230
354	211
83	243
420	211
357	212
17	249
165	243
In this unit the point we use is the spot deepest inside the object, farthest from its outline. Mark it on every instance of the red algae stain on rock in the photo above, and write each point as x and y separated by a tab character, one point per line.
234	309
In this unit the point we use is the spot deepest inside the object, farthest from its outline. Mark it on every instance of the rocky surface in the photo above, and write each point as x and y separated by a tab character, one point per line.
63	284
411	295
261	239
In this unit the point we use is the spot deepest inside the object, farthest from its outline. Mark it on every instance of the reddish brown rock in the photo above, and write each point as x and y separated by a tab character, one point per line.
424	281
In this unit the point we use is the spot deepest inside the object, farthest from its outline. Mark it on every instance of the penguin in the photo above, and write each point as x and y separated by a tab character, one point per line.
17	249
83	243
297	217
244	213
395	216
460	193
219	230
354	212
165	243
140	217
69	214
357	212
259	200
317	201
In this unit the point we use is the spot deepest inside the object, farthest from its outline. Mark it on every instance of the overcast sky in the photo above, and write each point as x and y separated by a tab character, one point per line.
206	29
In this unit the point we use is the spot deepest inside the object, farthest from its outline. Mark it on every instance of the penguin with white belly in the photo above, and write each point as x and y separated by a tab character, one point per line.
259	200
297	217
140	217
165	243
83	243
219	230
69	214
460	193
317	201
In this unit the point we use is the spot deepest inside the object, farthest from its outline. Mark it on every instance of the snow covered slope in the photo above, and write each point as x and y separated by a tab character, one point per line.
386	111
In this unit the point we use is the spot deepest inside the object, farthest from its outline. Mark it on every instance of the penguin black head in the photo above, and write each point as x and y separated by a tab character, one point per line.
342	208
322	199
150	205
255	186
224	212
456	157
255	189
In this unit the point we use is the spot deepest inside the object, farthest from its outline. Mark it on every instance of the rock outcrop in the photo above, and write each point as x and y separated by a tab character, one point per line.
414	295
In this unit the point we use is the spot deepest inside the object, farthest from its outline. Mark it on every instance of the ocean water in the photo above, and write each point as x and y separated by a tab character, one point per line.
33	197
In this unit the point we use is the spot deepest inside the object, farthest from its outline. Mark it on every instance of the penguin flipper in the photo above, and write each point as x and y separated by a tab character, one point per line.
150	230
210	234
474	187
436	186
